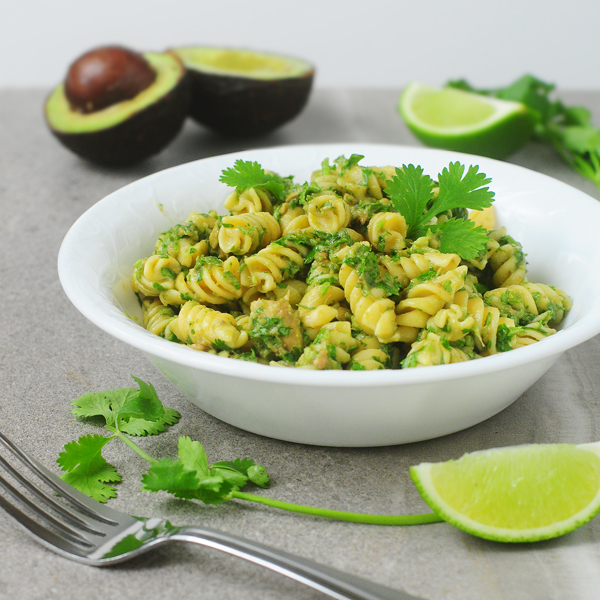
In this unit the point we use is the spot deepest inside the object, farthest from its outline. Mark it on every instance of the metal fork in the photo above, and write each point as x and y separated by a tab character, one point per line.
81	529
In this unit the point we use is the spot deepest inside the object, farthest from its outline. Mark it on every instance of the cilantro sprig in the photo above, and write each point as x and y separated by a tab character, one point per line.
127	412
568	128
246	174
412	193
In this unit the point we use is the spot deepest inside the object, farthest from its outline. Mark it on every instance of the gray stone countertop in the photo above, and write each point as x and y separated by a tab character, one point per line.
51	355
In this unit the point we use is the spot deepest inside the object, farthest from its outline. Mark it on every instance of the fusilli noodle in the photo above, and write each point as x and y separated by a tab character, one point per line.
325	275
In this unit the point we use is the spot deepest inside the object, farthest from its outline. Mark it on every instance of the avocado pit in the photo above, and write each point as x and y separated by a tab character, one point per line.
117	107
104	76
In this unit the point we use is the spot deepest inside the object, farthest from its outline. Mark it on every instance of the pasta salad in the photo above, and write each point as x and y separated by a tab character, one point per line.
360	268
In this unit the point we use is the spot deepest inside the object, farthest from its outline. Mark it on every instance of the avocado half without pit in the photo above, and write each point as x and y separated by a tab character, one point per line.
245	93
117	106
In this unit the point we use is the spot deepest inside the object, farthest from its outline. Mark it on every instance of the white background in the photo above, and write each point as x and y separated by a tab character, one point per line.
368	43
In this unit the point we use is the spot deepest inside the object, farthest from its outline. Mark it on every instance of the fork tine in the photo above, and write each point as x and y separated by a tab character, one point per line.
63	531
63	512
80	501
41	534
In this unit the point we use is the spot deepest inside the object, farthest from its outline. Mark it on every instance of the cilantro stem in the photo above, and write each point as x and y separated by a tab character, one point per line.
132	445
341	515
140	412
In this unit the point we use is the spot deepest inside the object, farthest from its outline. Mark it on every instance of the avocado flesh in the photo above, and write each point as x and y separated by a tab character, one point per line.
63	118
127	131
240	93
242	63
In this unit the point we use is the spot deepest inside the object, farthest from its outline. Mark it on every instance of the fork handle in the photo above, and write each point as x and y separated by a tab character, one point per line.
327	580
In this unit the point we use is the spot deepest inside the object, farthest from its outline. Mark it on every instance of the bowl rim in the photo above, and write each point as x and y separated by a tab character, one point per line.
110	319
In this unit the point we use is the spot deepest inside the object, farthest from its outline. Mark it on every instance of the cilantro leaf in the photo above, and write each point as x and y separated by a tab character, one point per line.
240	465
86	468
173	477
243	175
193	455
505	337
190	477
463	234
143	405
233	477
460	190
257	474
100	404
410	191
412	195
246	174
582	139
138	411
141	427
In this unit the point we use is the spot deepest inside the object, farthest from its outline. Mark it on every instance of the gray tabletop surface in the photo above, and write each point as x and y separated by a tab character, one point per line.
51	355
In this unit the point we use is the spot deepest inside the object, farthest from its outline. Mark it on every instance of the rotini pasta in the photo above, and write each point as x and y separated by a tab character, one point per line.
370	306
370	354
433	349
211	281
156	315
329	274
331	349
328	212
405	268
525	302
202	328
386	231
293	218
155	274
507	260
426	298
249	201
244	233
271	265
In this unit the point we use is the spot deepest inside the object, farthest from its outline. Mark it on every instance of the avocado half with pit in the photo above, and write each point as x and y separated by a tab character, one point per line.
245	93
128	130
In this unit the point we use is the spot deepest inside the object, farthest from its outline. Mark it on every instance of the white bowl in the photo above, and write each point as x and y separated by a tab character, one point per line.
557	225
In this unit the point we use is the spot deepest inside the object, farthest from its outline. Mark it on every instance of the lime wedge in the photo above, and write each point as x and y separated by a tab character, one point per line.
517	494
457	120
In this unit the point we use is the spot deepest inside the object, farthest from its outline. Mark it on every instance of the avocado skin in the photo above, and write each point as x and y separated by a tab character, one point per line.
142	135
243	107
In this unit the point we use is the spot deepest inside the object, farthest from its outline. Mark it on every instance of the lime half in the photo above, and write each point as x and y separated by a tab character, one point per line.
517	494
466	122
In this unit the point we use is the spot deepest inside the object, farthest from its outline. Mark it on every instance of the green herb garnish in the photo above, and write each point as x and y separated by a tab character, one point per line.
412	195
190	476
345	164
246	174
364	261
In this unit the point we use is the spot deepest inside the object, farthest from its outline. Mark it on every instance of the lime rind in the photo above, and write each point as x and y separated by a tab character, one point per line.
506	128
422	478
